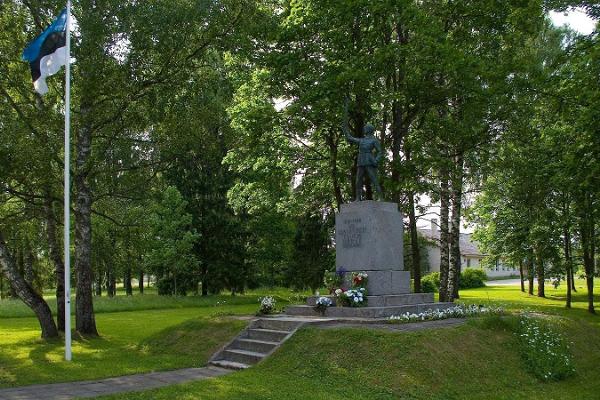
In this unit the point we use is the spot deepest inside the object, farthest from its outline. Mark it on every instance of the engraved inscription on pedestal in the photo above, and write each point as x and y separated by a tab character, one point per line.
352	232
369	237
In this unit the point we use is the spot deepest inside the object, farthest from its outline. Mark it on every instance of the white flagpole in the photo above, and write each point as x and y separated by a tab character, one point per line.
67	189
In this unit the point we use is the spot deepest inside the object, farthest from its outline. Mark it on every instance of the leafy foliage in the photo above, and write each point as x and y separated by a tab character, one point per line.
171	256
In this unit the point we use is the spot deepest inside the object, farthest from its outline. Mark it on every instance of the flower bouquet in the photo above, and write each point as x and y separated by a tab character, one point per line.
322	304
359	280
354	297
267	305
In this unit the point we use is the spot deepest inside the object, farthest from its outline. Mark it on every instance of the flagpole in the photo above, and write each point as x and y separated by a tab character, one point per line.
67	189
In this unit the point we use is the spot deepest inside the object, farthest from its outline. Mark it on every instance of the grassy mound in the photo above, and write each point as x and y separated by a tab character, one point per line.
479	360
197	339
131	342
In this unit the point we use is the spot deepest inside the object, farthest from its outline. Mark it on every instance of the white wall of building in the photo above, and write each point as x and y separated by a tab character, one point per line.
468	261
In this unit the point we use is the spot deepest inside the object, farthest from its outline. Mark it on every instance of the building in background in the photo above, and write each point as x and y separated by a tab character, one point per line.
471	256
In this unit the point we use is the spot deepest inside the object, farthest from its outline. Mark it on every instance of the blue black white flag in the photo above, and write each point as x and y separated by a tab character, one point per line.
48	52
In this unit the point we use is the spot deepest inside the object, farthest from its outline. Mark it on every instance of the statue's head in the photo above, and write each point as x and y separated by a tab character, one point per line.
369	130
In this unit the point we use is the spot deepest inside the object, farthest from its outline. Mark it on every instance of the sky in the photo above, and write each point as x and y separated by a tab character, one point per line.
576	19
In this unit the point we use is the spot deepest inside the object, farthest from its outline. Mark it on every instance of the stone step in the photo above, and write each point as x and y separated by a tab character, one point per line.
389	300
367	312
270	335
229	364
242	356
258	346
279	324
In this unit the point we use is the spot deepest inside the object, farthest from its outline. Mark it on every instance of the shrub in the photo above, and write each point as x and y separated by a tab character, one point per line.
430	283
166	286
472	278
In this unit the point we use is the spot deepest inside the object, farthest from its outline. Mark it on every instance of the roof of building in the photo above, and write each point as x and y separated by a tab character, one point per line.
468	247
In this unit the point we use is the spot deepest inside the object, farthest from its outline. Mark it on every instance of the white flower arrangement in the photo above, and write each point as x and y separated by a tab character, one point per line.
267	305
324	301
355	297
322	304
459	311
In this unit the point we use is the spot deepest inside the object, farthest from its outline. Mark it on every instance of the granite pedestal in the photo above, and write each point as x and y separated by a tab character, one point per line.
369	238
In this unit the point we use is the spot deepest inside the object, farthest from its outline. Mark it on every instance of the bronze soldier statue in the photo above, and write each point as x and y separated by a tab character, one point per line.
367	161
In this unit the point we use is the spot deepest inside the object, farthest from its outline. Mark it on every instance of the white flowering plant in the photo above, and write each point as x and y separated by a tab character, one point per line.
459	311
267	305
544	350
322	304
354	297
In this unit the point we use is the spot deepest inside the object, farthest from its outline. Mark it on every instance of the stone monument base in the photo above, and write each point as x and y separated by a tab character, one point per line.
369	238
377	306
384	283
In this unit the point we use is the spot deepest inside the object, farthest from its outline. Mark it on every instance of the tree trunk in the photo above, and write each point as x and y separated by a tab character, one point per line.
28	271
98	283
55	252
332	143
357	116
541	276
127	282
456	204
84	309
204	280
397	133
521	276
26	293
141	282
567	249
530	274
111	284
587	245
444	233
588	263
414	243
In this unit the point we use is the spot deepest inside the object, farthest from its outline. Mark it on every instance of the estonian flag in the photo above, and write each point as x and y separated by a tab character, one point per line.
47	53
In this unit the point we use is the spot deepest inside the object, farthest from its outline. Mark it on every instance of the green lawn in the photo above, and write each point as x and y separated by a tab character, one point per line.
131	342
476	361
513	299
479	360
150	301
141	333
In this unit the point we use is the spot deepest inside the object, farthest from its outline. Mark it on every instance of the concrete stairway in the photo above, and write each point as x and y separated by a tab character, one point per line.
255	343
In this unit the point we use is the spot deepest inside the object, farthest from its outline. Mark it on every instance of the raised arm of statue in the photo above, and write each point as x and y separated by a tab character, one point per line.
345	127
